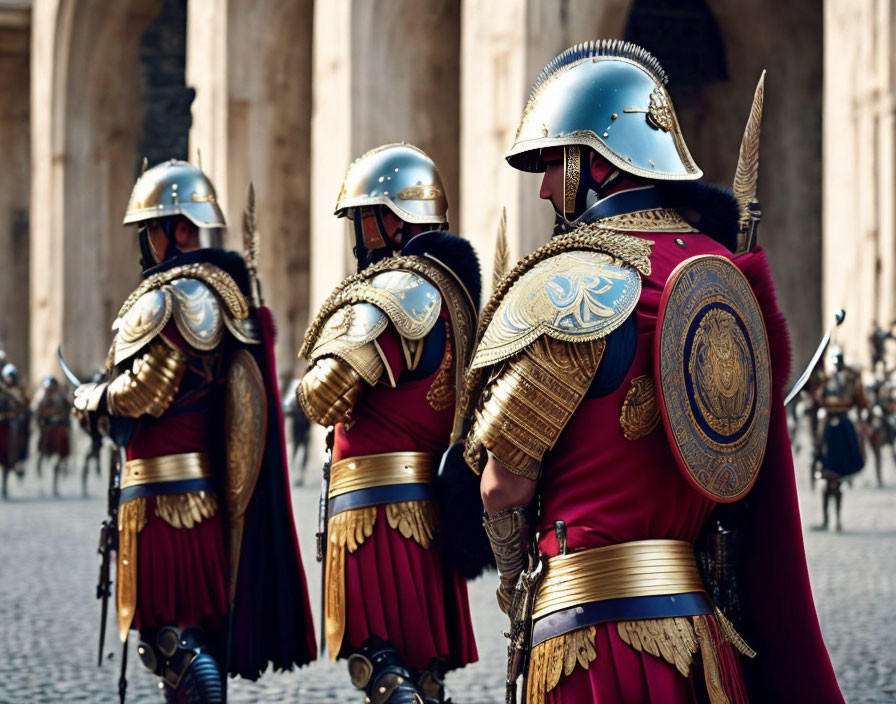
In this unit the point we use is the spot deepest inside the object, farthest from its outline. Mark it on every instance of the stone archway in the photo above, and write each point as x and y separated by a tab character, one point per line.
88	110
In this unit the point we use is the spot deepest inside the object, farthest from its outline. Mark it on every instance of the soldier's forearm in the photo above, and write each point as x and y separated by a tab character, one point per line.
502	489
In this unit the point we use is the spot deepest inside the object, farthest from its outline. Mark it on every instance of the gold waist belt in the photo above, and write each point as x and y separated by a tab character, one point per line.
641	568
366	471
167	468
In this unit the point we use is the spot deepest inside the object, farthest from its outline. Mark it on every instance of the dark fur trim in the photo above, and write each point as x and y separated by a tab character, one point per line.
710	209
465	545
231	262
454	252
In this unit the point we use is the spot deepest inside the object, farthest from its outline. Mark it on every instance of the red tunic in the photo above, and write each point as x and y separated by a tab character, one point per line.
396	589
182	572
612	490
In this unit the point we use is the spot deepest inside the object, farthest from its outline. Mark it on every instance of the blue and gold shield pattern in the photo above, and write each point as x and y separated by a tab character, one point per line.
712	364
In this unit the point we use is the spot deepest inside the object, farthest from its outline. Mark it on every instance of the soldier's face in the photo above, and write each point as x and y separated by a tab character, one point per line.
552	182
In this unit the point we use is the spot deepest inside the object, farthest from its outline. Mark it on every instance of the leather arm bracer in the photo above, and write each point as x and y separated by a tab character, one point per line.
529	401
149	387
505	534
329	390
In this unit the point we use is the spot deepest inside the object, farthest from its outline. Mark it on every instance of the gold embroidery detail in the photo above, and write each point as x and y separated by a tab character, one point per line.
719	360
711	671
186	510
732	636
672	639
441	394
574	297
131	520
557	657
640	413
655	220
417	520
348	529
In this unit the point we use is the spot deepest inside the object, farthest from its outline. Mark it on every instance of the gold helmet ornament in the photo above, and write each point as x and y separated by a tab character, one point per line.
401	178
608	96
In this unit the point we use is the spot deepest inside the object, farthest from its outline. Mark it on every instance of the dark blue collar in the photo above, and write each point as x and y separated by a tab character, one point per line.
629	201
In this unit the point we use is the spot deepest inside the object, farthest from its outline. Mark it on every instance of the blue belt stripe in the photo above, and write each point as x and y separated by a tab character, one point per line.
379	495
625	609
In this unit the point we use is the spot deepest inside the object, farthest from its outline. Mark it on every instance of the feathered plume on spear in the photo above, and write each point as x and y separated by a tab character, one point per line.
250	245
502	252
747	174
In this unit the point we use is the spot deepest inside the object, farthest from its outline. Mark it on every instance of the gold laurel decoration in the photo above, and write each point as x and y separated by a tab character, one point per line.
672	639
186	510
640	413
417	520
558	657
348	529
712	673
441	394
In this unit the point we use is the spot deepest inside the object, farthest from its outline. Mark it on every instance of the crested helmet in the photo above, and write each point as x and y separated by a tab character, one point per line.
608	96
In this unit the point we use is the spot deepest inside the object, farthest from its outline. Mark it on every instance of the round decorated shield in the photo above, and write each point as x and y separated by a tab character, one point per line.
712	362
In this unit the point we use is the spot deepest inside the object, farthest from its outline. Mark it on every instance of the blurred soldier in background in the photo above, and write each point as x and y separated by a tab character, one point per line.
207	548
841	446
387	355
300	428
52	410
15	413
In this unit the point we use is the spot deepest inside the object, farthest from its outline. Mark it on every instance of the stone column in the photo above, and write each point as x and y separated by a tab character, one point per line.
250	65
15	40
86	122
859	167
504	46
384	72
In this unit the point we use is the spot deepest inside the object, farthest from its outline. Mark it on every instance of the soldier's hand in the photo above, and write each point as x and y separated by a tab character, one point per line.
86	405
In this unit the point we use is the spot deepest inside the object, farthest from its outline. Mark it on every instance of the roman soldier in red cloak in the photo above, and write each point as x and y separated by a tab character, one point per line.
628	421
388	352
209	570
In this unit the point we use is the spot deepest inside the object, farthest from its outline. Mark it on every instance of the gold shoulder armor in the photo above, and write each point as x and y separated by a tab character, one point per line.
574	296
530	400
197	314
349	334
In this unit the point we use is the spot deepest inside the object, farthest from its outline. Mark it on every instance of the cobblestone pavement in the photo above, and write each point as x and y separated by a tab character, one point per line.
48	617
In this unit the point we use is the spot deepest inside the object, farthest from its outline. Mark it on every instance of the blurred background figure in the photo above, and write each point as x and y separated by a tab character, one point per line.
877	343
14	416
841	450
52	409
300	429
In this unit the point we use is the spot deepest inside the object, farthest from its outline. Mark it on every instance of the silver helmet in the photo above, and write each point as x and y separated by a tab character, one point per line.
608	95
399	176
175	188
